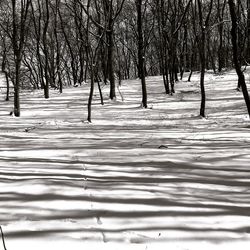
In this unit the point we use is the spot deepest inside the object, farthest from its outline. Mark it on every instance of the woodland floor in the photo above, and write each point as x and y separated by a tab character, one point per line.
134	178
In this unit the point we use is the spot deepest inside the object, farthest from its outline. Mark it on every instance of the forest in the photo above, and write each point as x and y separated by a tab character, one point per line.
49	44
124	124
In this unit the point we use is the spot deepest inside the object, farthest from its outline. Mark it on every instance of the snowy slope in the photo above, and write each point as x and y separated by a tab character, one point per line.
133	179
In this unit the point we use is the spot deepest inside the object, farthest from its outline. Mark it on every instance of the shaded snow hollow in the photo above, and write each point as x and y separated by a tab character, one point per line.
156	178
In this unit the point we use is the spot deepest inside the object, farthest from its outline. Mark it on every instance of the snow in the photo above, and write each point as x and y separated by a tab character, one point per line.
134	178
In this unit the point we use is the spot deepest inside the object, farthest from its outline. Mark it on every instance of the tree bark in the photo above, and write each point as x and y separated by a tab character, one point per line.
202	50
6	73
110	36
92	85
19	31
17	87
46	53
141	57
234	37
202	76
248	32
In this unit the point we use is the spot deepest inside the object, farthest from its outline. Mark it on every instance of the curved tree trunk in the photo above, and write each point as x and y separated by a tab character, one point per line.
234	37
248	32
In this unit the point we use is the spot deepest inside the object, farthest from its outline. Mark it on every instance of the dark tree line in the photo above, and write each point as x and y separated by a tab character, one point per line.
48	44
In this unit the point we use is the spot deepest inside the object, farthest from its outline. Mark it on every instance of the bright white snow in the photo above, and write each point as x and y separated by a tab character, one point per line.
135	178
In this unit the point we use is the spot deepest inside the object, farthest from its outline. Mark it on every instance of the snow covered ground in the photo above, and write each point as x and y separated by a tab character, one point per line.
156	178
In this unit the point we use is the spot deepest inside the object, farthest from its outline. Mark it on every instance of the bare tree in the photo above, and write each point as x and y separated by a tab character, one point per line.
110	12
19	33
234	37
220	14
203	23
141	55
93	45
5	64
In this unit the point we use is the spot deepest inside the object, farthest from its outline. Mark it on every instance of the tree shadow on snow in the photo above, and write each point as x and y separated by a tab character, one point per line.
142	200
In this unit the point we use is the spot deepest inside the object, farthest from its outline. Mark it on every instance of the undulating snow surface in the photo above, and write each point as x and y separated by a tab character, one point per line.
156	178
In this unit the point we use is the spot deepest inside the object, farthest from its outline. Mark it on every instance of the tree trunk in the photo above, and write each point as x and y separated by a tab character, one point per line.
202	76
100	91
221	53
110	36
58	68
234	37
220	49
248	32
141	57
92	85
6	74
19	31
17	87
7	98
190	75
46	53
202	50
